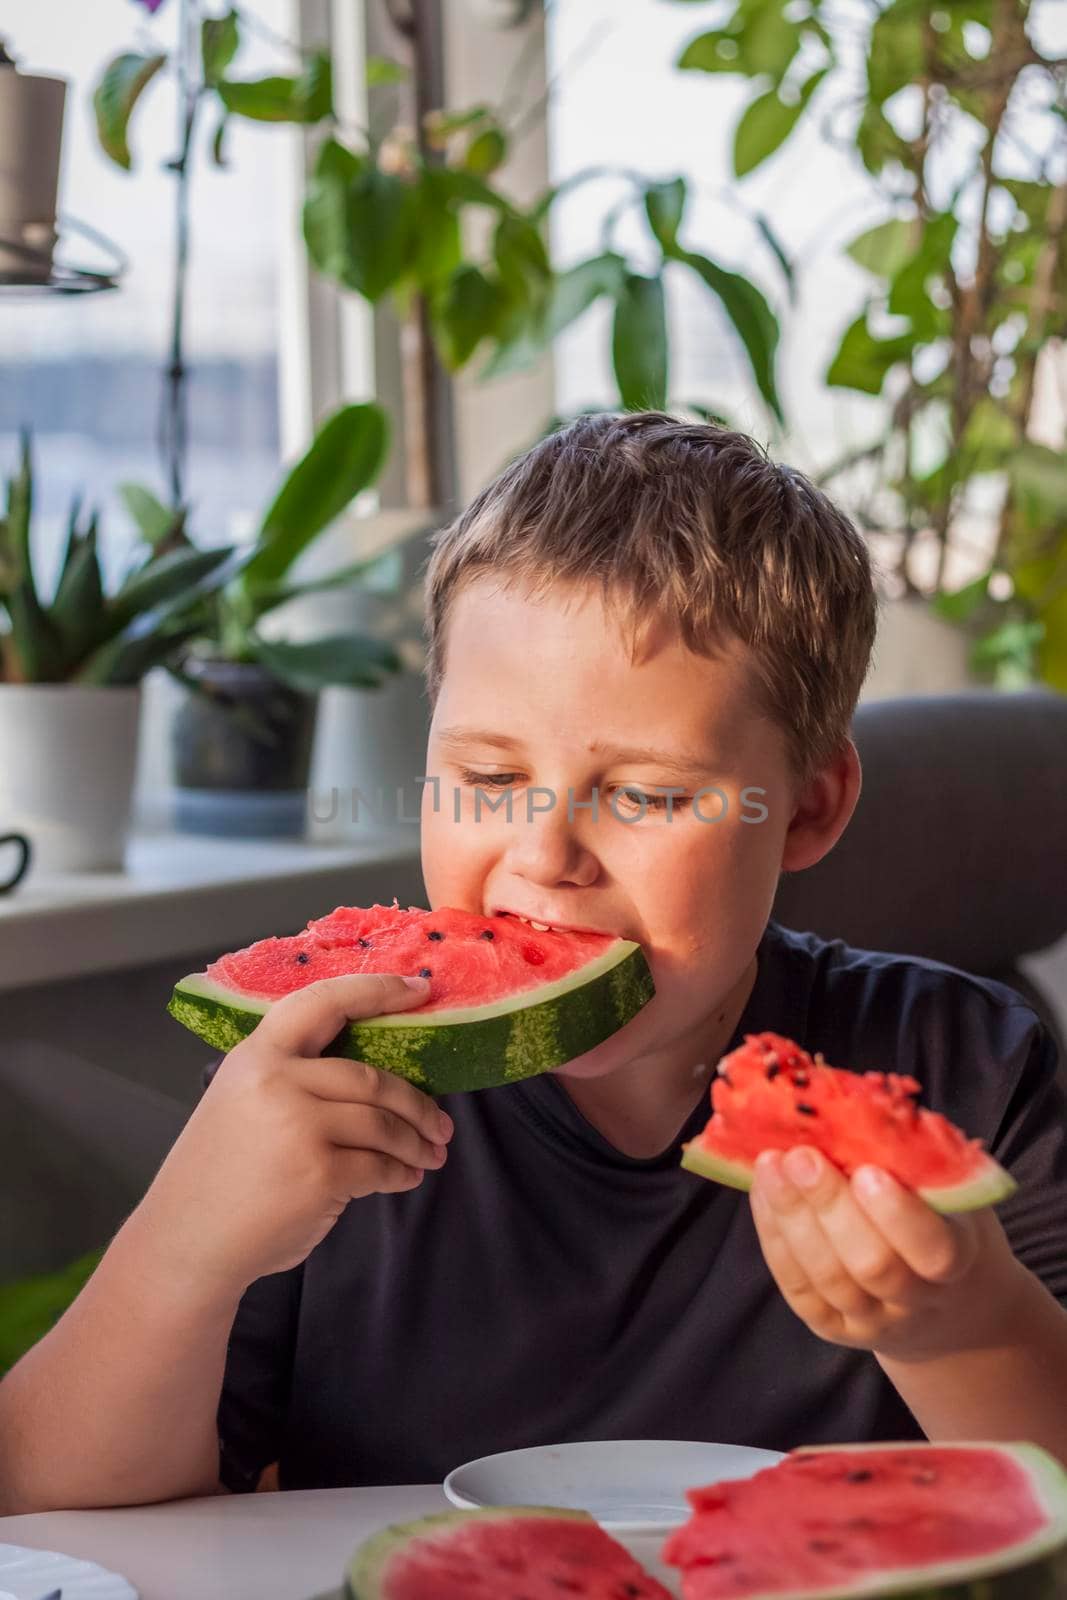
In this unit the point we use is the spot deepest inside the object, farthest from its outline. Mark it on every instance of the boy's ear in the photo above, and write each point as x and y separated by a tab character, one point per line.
822	810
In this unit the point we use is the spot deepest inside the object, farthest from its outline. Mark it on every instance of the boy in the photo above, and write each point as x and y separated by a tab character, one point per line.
640	620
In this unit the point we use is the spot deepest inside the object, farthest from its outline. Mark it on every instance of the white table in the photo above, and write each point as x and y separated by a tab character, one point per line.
284	1546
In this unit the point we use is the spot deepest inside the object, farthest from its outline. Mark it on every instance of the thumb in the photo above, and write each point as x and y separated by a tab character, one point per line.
305	1022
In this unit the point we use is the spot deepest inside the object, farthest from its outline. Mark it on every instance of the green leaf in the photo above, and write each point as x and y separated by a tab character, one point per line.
1012	643
123	81
908	294
308	98
382	70
639	343
20	515
862	361
218	142
162	578
777	249
438	241
664	207
35	639
381	574
715	51
344	458
360	224
767	124
1038	478
753	320
961	604
575	290
343	659
29	1307
896	55
883	250
220	39
486	152
78	609
465	313
155	521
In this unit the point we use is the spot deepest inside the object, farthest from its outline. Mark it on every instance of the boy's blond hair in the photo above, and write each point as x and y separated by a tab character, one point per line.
692	524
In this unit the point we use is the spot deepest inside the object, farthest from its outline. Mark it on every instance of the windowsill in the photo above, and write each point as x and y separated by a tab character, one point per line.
181	893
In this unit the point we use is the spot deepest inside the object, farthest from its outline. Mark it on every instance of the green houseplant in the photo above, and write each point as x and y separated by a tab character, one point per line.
248	718
71	666
958	114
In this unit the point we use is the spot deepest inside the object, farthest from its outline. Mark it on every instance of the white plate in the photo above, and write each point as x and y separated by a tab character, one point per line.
28	1574
631	1486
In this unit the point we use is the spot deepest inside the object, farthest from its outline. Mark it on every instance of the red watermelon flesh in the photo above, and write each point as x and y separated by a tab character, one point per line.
481	958
873	1520
517	1553
769	1094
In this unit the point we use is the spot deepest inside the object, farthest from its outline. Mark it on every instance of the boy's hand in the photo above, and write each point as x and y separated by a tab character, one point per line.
284	1138
866	1263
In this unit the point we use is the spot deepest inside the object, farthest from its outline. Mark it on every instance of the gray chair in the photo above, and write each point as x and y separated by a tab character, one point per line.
958	846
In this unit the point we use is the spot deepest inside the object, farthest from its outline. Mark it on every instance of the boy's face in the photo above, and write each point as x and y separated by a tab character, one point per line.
552	679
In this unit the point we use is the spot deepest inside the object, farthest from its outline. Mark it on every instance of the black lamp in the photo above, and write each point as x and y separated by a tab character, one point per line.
31	136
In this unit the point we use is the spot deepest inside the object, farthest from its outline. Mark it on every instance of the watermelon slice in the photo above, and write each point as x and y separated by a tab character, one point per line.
507	1553
506	1001
837	1522
769	1094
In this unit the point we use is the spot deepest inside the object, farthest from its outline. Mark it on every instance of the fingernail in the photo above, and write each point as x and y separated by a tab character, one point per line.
870	1180
768	1170
416	983
803	1167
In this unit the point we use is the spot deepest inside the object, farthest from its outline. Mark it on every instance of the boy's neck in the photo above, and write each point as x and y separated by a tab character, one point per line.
642	1107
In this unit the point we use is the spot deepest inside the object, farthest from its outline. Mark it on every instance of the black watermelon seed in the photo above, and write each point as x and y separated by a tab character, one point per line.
859	1475
303	959
801	1080
424	972
773	1070
365	943
487	933
808	1111
435	935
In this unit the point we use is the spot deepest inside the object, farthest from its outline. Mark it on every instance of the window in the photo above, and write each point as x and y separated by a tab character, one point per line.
85	371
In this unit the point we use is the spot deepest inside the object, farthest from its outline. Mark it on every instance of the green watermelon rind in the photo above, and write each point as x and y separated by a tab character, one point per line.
1033	1569
368	1566
990	1184
470	1047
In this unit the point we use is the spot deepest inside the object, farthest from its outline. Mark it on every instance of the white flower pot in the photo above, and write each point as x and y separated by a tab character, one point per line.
917	652
67	760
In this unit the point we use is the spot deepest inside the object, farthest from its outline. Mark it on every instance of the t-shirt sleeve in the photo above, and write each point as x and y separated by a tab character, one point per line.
1031	1142
259	1364
255	1389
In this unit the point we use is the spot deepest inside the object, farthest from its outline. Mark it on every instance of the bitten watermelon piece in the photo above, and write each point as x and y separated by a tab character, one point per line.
507	1553
769	1094
972	1521
506	1001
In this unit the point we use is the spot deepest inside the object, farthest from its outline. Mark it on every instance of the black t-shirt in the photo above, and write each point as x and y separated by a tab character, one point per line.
542	1287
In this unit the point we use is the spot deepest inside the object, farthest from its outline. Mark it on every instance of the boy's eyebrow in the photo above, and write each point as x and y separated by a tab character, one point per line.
458	735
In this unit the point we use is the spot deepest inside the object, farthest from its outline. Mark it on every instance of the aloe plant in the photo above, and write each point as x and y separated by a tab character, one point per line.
83	635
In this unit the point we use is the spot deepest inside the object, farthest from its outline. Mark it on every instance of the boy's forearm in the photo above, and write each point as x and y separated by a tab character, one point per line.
1012	1387
116	1404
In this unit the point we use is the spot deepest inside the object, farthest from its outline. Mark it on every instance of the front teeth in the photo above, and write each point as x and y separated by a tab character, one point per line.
542	927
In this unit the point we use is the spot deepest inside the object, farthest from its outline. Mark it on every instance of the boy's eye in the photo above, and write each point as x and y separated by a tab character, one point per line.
628	798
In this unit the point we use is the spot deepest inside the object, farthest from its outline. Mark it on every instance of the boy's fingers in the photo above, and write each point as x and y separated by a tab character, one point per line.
362	1172
363	1127
356	1082
935	1247
305	1022
798	1227
861	1248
